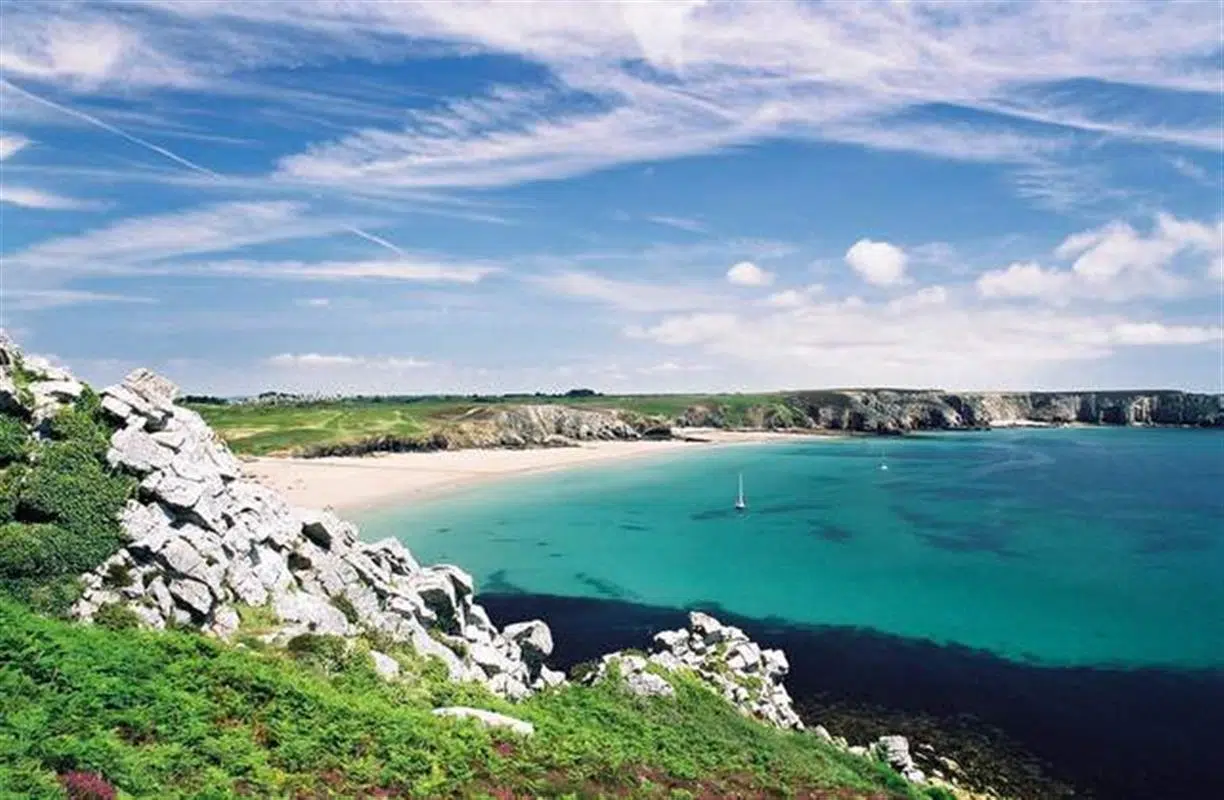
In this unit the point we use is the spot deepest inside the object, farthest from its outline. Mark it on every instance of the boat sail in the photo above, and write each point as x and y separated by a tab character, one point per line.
740	505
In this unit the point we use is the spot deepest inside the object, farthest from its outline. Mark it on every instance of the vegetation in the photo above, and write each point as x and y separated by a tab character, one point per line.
173	714
59	504
288	426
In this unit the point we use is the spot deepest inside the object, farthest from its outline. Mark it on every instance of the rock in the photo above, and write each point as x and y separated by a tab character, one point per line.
489	659
509	687
225	623
320	527
895	751
426	645
489	719
193	595
549	678
822	733
310	614
183	559
151	386
387	667
437	591
134	450
395	556
534	637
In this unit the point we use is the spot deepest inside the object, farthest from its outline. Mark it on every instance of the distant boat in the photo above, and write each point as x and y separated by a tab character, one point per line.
883	460
740	505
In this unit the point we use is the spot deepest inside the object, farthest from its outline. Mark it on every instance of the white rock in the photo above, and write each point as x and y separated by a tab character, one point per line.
488	718
133	449
225	623
509	687
534	637
386	666
311	613
192	594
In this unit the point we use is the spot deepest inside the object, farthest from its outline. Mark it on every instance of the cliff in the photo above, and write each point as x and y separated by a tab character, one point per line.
889	411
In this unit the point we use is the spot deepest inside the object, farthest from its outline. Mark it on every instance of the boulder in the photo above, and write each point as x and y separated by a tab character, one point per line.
151	386
489	719
895	751
533	637
192	595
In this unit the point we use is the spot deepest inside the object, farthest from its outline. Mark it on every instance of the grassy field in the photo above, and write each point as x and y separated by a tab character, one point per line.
175	715
259	429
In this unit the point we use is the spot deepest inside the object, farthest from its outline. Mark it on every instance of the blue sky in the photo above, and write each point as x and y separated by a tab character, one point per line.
402	197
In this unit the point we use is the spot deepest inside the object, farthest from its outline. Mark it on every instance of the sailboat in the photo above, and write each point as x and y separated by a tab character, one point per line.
740	505
883	463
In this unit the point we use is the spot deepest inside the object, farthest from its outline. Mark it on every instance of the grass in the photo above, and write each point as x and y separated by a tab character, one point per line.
257	429
171	715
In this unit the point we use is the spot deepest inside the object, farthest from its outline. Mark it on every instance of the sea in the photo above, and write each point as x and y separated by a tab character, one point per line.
1056	593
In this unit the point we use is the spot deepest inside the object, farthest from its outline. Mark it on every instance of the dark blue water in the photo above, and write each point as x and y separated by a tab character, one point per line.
1066	586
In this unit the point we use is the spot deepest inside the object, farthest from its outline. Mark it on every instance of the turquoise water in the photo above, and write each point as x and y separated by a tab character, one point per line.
1059	547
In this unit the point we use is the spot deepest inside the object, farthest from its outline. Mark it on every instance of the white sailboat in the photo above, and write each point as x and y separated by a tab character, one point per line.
740	505
883	461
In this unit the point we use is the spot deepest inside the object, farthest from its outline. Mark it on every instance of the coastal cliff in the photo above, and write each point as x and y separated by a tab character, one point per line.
897	411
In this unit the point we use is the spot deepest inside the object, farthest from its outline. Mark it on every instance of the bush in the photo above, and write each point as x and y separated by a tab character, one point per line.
329	653
14	440
116	617
86	786
345	607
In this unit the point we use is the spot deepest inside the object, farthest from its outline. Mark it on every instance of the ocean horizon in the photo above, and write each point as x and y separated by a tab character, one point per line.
1060	586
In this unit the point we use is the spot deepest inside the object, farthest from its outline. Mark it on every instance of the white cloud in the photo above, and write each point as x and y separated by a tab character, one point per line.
794	298
39	299
746	273
1027	279
679	223
1114	262
10	144
84	52
624	295
404	269
924	297
314	302
35	198
320	360
142	240
878	263
844	343
872	65
1155	333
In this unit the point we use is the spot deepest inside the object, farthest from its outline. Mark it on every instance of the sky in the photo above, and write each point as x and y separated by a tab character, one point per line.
398	197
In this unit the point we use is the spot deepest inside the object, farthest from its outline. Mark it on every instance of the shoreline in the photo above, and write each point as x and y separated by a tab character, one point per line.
376	481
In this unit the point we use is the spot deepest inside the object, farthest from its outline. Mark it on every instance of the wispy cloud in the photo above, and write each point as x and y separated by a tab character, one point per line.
10	144
39	299
679	223
624	295
320	360
35	198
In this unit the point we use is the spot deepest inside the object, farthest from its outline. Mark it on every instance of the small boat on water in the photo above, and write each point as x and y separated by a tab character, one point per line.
740	505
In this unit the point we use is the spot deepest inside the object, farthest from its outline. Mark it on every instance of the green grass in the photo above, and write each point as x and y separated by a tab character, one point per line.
257	429
171	715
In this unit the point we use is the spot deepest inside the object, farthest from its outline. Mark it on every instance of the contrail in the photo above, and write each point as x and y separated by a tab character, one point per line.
175	157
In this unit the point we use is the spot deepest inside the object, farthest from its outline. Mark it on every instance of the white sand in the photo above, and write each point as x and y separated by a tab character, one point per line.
347	483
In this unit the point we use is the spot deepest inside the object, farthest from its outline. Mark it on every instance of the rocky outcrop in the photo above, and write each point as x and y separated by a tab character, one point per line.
204	542
723	657
898	411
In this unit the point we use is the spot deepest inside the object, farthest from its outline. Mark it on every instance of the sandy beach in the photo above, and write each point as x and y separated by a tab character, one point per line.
347	483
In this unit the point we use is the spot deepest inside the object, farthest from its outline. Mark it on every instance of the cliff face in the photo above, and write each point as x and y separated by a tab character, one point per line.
889	411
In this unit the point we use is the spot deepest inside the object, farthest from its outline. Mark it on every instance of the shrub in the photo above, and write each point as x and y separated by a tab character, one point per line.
329	653
345	607
86	786
33	551
116	617
14	440
118	576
